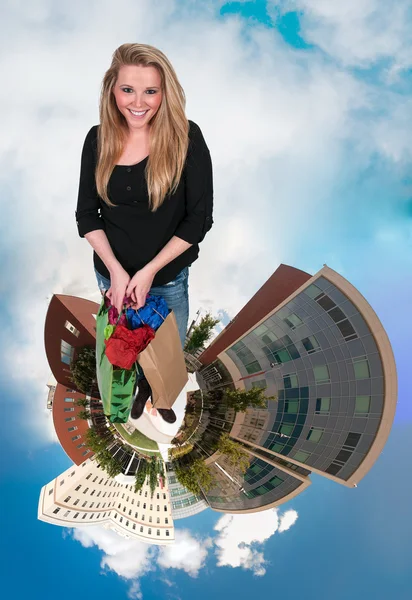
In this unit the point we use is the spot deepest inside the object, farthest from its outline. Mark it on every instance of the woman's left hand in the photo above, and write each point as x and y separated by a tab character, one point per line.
139	286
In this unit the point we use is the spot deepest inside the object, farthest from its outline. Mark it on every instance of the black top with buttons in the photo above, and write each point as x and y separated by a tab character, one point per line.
136	235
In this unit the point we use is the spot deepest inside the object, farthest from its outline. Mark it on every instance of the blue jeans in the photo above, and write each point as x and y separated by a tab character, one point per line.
176	294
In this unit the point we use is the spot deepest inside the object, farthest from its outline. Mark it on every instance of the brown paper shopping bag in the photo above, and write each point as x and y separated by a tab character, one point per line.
164	365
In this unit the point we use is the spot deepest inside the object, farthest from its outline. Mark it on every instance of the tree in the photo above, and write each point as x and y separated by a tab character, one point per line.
196	477
98	440
201	333
108	463
241	400
153	475
141	475
84	414
234	453
82	402
83	369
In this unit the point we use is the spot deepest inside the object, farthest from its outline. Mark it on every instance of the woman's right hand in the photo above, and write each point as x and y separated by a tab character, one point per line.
119	280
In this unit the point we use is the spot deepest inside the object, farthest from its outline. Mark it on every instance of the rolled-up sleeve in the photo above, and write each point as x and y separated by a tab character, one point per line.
88	202
198	189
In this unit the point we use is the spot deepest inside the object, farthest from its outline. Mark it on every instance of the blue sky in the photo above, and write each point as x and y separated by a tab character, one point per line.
305	106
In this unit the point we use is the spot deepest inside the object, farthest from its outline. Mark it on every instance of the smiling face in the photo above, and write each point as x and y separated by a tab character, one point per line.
138	94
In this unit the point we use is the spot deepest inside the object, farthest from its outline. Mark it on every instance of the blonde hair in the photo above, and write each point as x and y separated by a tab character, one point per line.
169	128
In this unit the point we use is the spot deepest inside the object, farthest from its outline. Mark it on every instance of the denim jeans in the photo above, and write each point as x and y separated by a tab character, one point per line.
176	294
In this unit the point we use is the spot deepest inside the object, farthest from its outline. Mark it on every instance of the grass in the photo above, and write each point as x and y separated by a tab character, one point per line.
137	438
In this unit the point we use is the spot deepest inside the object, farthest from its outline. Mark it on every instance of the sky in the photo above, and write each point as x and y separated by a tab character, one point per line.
305	106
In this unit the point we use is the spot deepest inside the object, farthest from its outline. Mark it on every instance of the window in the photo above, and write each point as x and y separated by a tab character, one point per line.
69	410
322	405
67	499
361	367
158	520
275	481
150	531
56	510
286	429
141	529
362	405
325	302
66	352
290	381
333	469
352	440
313	291
314	434
76	515
50	491
144	505
260	383
158	507
69	400
165	508
277	447
76	437
72	428
158	496
76	502
72	328
167	533
69	419
346	329
291	406
311	344
158	532
301	456
142	517
293	320
166	521
85	452
321	373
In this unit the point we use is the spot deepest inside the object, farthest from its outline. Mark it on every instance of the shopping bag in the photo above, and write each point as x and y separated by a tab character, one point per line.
164	365
116	385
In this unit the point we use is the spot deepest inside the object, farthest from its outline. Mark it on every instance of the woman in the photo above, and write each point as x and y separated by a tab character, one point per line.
146	191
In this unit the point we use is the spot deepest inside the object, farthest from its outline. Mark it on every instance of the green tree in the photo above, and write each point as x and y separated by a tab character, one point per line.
234	453
108	463
153	474
201	333
98	439
141	475
84	414
196	477
83	369
241	400
82	402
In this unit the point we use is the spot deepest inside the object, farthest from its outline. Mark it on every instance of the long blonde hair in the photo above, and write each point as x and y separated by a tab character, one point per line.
169	128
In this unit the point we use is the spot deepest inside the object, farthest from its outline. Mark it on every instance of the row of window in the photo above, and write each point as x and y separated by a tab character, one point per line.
149	530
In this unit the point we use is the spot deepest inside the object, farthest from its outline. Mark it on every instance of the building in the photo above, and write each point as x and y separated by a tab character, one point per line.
70	325
184	503
84	495
320	348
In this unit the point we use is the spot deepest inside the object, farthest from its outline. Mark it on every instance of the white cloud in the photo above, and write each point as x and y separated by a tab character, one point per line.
128	558
288	519
277	124
358	32
187	553
132	559
240	538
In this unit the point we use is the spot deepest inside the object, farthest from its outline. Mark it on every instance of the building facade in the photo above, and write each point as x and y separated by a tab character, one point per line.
84	495
326	357
70	325
184	503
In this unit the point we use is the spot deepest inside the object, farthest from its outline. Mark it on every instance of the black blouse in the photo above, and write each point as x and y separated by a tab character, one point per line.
135	234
